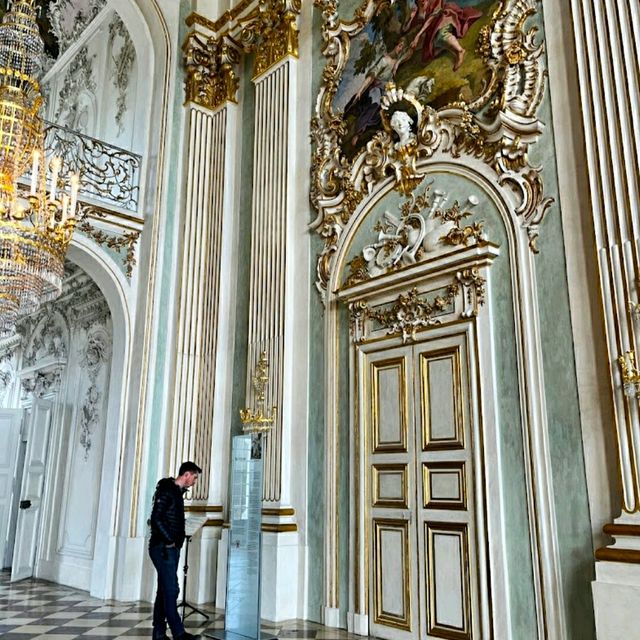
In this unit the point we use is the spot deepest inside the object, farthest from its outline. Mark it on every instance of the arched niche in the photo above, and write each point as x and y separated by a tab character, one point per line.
116	290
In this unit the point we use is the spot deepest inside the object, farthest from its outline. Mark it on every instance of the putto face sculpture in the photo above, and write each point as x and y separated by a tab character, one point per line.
402	123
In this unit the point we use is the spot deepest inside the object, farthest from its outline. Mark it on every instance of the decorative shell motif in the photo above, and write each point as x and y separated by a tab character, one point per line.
423	227
495	126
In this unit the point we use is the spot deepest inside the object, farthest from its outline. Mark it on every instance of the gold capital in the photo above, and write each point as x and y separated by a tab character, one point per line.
272	32
211	78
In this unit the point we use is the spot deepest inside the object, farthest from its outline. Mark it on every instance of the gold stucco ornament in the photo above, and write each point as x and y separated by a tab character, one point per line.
405	85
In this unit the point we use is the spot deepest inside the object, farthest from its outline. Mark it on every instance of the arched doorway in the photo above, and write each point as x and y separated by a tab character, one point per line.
66	400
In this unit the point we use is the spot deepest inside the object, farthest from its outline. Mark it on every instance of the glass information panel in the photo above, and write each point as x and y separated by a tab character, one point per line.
242	615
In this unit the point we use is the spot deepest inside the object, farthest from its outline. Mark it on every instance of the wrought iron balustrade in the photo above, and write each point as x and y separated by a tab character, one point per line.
108	173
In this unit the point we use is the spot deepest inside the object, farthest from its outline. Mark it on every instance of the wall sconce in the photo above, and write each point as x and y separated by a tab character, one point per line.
630	374
259	419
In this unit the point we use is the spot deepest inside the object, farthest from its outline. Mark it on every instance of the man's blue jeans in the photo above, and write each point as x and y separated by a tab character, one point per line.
165	608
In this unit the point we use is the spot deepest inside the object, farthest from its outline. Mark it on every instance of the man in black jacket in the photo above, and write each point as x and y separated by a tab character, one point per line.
167	536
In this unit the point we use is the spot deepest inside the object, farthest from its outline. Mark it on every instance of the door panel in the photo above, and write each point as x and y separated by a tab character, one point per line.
445	510
442	417
10	423
447	563
32	490
423	577
390	485
390	398
392	570
444	485
390	443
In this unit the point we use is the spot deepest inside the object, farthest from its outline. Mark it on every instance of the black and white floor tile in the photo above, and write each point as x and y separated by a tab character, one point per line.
35	609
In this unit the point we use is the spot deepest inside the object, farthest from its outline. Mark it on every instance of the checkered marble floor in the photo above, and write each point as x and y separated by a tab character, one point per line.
34	609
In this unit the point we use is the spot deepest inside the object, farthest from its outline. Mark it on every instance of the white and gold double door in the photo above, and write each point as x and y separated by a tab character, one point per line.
417	409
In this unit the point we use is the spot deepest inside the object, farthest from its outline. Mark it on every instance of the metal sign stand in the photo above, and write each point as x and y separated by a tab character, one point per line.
193	524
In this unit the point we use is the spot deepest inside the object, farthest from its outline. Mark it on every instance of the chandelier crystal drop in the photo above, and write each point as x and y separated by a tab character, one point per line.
36	223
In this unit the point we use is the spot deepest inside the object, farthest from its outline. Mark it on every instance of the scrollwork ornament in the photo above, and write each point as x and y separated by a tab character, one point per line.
123	62
126	241
7	374
410	312
473	285
109	174
88	418
423	227
42	383
78	78
49	341
496	127
96	352
358	314
69	19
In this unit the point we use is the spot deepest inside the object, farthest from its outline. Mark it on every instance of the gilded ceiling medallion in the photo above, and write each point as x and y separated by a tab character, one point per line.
408	78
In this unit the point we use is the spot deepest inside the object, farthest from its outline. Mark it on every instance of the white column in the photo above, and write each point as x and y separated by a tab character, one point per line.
278	325
607	36
202	400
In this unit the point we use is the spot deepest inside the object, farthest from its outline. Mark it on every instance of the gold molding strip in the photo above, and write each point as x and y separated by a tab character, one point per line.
630	556
196	18
104	214
279	528
203	508
284	511
222	21
621	529
214	522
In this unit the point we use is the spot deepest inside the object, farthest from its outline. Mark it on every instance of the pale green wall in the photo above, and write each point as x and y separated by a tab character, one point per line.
316	431
563	411
560	387
244	250
169	257
562	408
316	448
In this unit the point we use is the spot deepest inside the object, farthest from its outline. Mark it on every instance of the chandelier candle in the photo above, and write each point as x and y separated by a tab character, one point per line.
35	226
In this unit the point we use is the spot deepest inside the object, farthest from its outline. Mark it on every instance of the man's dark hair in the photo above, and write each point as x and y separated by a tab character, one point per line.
189	466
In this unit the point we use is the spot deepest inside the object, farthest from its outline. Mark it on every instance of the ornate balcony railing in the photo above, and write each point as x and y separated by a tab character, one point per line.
108	174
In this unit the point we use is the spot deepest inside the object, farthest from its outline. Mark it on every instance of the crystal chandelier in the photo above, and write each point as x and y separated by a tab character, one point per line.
36	224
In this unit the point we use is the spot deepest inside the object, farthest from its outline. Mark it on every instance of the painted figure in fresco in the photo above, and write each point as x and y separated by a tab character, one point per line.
440	26
367	98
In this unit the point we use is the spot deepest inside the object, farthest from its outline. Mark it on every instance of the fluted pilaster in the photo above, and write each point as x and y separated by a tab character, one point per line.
268	266
607	42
